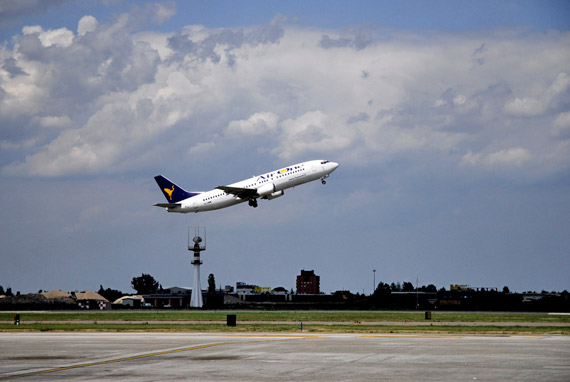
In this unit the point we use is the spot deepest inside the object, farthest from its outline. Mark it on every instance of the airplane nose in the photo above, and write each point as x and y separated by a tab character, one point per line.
333	165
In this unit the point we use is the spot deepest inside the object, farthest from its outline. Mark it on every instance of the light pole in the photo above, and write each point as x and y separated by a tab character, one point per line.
374	282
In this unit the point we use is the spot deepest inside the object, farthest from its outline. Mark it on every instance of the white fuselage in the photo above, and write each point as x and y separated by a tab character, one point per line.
269	186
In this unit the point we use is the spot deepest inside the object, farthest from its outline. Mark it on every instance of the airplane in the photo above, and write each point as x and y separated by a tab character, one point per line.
268	186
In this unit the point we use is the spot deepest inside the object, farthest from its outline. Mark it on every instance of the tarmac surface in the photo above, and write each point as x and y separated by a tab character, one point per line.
143	356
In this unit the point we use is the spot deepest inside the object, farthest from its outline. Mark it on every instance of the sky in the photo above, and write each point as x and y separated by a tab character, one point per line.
450	121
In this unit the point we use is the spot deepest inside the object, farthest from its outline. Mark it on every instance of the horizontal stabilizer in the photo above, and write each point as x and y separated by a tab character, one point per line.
167	205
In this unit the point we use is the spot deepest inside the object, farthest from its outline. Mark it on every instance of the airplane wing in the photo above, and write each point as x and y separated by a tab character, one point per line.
167	205
242	193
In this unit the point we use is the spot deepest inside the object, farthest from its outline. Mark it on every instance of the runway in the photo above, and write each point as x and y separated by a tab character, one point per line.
269	356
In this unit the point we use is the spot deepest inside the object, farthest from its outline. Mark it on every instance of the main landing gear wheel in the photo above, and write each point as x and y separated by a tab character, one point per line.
253	203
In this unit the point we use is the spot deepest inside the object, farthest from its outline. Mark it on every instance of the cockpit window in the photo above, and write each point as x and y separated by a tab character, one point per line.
324	162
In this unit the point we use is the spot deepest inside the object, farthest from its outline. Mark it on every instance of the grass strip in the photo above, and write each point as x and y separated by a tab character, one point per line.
295	316
269	327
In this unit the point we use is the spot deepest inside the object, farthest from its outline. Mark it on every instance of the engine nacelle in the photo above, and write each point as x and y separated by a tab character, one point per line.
274	195
266	190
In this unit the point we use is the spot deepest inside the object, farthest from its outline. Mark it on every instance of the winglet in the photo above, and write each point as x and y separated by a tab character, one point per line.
171	191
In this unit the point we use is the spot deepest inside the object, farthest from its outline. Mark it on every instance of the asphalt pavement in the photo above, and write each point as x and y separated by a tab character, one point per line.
143	356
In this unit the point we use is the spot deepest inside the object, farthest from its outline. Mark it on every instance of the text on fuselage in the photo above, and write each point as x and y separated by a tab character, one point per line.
271	175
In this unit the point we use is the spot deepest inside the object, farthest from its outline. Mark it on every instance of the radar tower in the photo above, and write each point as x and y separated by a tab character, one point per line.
197	247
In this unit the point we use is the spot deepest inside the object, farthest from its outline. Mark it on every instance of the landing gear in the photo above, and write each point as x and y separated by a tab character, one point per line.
323	181
253	203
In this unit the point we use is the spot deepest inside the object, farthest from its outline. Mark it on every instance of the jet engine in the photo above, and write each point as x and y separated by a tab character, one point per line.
274	195
266	190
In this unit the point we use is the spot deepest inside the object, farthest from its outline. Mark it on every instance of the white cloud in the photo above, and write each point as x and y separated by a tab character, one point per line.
421	97
524	107
86	24
201	149
538	105
559	85
178	85
54	121
163	12
515	156
258	123
35	29
60	37
562	120
313	131
158	42
459	100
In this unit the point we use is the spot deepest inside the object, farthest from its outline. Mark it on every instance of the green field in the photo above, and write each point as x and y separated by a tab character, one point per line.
290	321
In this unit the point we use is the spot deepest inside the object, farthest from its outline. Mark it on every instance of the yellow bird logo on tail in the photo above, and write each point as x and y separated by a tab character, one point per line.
169	191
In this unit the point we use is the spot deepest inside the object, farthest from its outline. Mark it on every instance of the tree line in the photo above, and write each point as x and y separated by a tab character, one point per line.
146	284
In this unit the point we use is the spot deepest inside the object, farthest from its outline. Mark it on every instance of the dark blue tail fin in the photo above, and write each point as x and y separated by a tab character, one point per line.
171	191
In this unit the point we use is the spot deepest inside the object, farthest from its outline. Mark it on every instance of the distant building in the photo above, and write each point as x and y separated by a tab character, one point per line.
91	300
244	289
308	283
59	297
173	297
279	290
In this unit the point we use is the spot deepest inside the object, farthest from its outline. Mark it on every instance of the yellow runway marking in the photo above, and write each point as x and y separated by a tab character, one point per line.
445	337
115	360
287	336
144	356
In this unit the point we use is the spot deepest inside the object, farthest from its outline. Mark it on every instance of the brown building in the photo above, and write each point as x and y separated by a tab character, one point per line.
308	283
91	300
